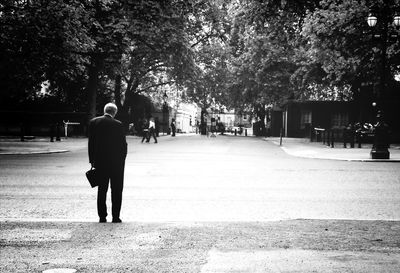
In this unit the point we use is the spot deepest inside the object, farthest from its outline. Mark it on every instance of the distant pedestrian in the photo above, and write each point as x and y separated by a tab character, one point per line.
173	127
145	130
152	130
107	149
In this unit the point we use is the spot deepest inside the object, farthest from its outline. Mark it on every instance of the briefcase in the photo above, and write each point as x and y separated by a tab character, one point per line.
91	176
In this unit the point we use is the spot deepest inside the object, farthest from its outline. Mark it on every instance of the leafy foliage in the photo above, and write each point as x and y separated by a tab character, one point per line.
264	43
36	43
234	54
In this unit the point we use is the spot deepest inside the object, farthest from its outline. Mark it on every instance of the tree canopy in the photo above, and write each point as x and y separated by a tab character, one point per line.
226	54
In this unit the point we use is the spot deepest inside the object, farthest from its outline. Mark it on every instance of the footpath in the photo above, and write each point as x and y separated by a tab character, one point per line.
298	147
42	145
39	145
301	147
292	246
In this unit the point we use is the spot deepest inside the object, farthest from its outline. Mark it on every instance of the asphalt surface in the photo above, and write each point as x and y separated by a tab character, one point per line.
197	204
298	147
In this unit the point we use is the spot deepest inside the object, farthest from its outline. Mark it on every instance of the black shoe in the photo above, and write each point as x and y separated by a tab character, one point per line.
116	220
103	220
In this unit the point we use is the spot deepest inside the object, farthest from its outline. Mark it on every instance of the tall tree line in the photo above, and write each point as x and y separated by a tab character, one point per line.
89	51
237	54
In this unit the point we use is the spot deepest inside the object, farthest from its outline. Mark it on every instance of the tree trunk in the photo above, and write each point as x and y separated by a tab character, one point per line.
260	111
94	69
123	112
123	108
263	129
96	62
203	122
117	91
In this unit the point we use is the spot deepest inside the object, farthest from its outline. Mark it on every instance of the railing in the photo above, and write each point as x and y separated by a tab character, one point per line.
66	124
330	137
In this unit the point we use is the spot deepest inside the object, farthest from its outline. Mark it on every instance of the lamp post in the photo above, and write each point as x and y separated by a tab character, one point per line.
381	138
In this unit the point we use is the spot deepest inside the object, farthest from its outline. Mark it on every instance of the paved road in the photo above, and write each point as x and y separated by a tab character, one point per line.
197	204
193	178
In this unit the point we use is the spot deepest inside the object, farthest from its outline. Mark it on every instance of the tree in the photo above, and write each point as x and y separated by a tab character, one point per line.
340	50
90	50
208	31
36	41
156	51
263	44
240	54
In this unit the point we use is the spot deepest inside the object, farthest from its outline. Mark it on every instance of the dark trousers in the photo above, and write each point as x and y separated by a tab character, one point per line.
114	177
152	133
145	135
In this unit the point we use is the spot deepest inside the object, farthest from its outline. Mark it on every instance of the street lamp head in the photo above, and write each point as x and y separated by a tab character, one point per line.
372	20
396	20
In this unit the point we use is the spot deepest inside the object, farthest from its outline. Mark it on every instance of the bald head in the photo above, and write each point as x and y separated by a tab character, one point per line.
111	109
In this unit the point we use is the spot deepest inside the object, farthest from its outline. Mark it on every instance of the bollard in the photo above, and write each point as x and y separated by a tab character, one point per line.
359	140
328	138
312	131
58	133
350	134
381	139
235	132
333	139
52	132
352	139
345	138
22	131
245	132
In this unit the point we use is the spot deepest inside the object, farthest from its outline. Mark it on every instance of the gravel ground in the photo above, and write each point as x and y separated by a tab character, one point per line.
345	246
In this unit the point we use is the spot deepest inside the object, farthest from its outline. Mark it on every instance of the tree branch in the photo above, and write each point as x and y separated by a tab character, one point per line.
201	40
154	85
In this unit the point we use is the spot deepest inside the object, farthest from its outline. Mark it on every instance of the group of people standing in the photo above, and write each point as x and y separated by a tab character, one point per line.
149	129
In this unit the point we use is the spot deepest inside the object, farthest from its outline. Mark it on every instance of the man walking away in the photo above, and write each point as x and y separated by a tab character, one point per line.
107	152
173	127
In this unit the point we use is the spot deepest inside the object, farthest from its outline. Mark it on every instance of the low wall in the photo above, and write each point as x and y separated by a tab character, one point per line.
42	123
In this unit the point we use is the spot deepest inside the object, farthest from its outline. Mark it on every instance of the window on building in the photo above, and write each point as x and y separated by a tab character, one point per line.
306	118
340	119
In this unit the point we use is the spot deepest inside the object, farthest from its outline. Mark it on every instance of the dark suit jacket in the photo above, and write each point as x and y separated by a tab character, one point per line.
107	142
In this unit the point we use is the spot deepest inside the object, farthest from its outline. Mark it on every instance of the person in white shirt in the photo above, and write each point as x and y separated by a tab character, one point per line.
152	130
